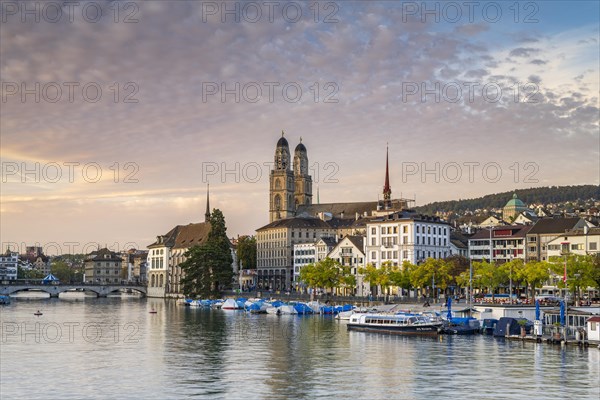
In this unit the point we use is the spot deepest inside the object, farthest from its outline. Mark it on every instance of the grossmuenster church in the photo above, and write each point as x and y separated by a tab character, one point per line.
295	219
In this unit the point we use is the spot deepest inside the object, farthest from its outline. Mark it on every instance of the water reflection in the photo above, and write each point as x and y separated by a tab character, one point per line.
182	352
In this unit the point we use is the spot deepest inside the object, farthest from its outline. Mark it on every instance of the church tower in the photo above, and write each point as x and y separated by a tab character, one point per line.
281	185
302	181
387	190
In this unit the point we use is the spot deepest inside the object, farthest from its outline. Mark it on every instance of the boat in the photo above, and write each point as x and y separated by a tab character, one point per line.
345	315
152	311
231	304
488	326
4	300
303	309
287	309
461	326
38	313
184	302
400	324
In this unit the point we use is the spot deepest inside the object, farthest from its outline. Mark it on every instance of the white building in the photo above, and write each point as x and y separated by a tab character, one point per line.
579	241
507	243
406	236
350	252
8	266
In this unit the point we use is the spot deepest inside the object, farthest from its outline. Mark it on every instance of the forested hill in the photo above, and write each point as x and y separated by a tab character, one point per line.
544	195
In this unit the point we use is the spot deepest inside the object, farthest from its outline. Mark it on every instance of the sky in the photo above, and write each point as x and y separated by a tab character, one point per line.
115	115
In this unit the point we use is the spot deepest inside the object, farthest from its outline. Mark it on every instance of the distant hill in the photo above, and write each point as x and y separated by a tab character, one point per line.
545	195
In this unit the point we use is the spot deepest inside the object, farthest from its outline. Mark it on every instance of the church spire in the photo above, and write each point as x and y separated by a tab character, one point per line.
207	213
387	190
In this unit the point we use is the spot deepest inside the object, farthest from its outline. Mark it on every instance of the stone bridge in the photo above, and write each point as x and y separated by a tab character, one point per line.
55	290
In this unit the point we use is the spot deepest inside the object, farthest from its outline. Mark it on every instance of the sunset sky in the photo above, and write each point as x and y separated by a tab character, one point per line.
161	129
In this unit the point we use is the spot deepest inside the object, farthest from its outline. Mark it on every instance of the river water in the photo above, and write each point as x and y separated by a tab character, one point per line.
88	348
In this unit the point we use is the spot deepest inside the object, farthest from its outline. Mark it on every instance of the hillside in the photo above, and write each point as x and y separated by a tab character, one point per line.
544	195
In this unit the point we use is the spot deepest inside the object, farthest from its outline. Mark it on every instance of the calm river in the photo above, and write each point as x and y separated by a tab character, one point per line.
113	348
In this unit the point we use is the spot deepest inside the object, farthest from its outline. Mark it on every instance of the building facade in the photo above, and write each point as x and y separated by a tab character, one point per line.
350	253
584	241
406	236
546	230
9	262
499	244
102	267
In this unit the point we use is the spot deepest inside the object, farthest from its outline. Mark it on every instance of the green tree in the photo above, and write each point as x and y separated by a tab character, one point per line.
29	273
62	271
371	275
489	276
207	267
534	274
511	270
246	252
581	271
326	273
431	271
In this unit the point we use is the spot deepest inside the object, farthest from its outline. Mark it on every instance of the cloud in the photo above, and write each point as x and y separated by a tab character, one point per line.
364	61
523	52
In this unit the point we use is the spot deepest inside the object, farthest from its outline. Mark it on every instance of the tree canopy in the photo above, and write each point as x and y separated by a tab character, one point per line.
207	267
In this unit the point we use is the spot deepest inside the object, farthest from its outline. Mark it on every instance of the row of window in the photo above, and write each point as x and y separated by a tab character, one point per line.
389	230
393	255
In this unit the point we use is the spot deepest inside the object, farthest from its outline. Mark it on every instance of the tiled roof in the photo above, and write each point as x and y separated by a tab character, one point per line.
358	241
103	255
192	235
517	231
553	225
184	236
297	222
348	209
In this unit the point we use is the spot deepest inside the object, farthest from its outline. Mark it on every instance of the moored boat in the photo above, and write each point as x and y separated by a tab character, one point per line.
231	304
400	324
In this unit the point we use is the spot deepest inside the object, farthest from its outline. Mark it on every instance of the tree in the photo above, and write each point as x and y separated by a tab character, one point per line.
489	276
246	252
23	273
62	271
581	270
511	270
534	274
431	271
371	274
207	267
326	273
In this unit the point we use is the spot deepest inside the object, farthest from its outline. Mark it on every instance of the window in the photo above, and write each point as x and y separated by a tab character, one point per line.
373	231
405	254
373	255
405	229
593	246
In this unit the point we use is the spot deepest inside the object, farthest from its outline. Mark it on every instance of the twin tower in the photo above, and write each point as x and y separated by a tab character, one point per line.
289	188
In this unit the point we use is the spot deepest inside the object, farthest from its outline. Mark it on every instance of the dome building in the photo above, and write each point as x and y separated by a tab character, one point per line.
513	208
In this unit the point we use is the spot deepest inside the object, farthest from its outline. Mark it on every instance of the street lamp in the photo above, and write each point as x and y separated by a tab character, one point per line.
510	295
470	281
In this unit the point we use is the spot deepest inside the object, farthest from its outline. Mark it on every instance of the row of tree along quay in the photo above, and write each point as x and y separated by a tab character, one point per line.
452	276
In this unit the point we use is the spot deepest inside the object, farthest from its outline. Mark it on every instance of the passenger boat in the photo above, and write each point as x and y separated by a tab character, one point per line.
400	324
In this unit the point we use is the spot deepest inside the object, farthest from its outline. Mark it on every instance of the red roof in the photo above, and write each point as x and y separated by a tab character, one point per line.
593	319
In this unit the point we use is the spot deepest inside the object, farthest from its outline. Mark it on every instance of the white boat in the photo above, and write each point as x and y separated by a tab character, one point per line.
315	306
286	309
345	315
230	304
401	324
272	310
